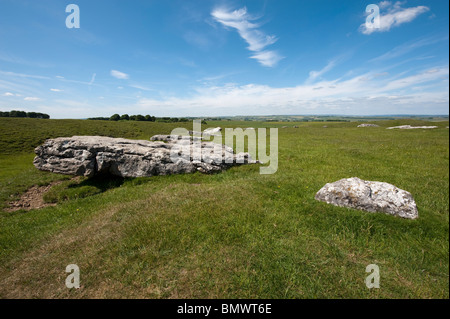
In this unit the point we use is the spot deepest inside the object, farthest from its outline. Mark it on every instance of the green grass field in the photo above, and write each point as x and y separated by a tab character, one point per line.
237	234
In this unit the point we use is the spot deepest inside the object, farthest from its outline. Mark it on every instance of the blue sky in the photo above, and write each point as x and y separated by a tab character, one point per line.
222	58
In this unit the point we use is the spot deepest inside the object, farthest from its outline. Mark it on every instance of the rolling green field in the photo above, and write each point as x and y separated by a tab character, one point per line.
237	234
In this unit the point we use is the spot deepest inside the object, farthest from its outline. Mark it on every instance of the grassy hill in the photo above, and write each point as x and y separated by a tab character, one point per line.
237	234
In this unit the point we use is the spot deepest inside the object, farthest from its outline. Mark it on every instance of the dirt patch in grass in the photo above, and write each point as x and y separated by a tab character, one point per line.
33	198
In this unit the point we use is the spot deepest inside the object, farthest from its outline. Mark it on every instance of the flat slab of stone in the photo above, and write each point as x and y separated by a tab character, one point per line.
368	125
409	127
212	131
93	155
374	197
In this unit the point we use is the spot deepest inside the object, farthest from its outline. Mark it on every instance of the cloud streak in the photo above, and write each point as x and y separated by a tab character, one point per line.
393	16
92	79
119	75
408	47
31	99
313	75
22	75
363	94
256	39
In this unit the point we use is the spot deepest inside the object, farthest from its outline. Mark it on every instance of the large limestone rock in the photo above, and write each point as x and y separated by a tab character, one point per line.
91	155
212	131
409	127
206	133
368	125
369	196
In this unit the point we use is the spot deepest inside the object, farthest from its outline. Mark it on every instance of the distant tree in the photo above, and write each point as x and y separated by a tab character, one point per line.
204	122
133	118
140	117
150	118
14	113
174	119
98	118
125	117
115	117
24	114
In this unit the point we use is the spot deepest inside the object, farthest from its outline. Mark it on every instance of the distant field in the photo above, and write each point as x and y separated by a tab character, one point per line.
331	118
236	234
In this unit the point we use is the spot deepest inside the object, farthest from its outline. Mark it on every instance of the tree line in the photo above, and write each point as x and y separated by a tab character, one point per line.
23	114
139	117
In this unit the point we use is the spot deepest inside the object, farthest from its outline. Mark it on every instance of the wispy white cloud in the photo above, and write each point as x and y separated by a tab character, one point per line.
313	75
375	92
384	4
8	94
22	75
197	39
256	39
188	63
6	57
393	15
119	75
55	90
317	75
31	98
141	87
92	79
410	46
267	58
213	78
366	93
19	87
